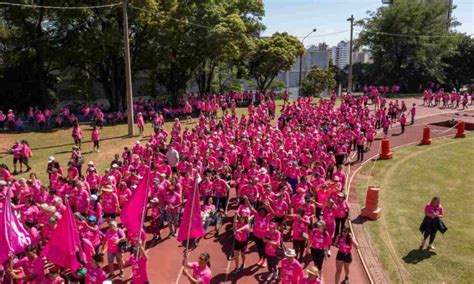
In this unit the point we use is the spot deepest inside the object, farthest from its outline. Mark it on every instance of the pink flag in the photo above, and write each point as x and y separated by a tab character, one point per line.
13	236
191	223
64	241
132	213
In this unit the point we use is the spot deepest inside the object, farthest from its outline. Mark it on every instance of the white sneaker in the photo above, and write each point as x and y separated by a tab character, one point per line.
431	247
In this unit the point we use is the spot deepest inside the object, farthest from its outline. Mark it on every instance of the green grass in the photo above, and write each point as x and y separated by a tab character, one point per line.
408	182
58	143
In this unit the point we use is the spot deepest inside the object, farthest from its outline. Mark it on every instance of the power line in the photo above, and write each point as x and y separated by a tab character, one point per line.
334	33
414	35
59	7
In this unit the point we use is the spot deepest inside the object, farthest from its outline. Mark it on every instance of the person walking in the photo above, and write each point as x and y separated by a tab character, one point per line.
432	223
344	256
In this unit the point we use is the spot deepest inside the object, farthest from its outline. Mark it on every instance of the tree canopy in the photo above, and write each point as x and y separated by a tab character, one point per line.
317	81
408	41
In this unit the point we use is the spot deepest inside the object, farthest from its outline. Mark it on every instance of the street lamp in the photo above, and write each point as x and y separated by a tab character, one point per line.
349	79
301	63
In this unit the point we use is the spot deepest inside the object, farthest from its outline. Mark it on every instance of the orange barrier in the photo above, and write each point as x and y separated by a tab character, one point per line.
426	136
371	209
460	133
386	153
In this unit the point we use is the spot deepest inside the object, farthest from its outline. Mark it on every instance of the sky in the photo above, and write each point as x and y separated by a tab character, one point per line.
300	17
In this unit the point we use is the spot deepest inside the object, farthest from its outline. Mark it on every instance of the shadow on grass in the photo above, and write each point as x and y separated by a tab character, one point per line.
417	255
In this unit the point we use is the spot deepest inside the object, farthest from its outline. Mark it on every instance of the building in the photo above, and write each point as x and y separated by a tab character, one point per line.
362	56
314	56
342	54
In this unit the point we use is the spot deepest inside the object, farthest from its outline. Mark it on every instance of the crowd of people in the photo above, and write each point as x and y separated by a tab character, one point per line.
192	104
274	180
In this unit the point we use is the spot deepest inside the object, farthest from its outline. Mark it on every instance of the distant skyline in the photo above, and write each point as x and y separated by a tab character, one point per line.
299	17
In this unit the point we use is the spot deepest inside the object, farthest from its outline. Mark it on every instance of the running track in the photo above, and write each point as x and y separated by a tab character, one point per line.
166	256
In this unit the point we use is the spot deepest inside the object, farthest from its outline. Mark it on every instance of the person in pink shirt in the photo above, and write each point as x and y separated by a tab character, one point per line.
140	123
95	138
17	151
241	234
33	267
54	277
272	240
300	231
345	243
329	216
140	266
114	237
201	270
434	212
110	203
95	273
403	122
291	270
342	213
77	134
172	201
319	244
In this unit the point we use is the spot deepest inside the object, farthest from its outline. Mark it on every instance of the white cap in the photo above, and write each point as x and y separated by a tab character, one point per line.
50	159
91	163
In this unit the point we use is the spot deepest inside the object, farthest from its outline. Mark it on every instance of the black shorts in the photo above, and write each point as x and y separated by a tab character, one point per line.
345	257
240	246
278	220
15	160
110	215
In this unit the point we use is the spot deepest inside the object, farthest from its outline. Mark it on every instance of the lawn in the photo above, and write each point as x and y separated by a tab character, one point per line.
58	143
408	182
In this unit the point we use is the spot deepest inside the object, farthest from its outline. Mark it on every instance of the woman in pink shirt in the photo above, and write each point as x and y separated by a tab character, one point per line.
342	213
95	274
113	238
344	255
140	123
201	270
272	240
241	234
300	231
261	226
291	270
320	244
95	138
432	221
77	134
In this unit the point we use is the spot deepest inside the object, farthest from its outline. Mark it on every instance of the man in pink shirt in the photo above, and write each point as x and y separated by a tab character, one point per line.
291	270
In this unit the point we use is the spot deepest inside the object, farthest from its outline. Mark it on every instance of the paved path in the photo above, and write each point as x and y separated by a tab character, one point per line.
165	257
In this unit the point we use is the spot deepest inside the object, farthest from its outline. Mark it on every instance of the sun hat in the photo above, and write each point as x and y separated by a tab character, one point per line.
313	271
290	253
108	188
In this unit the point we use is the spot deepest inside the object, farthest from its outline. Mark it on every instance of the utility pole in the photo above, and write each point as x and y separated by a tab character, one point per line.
349	80
128	70
301	63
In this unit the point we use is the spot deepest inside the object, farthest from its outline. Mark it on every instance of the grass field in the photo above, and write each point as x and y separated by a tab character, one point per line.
408	182
58	143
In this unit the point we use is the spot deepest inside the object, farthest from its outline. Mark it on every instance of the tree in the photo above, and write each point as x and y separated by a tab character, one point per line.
272	55
199	37
28	47
416	55
459	67
316	81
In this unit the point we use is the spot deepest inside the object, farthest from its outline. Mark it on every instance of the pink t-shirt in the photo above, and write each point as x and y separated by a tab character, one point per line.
274	236
261	225
307	280
242	235
320	240
139	270
203	275
343	246
95	275
300	227
291	271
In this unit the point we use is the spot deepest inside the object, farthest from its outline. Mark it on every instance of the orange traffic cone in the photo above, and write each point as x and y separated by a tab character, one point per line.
426	136
371	209
386	153
460	133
